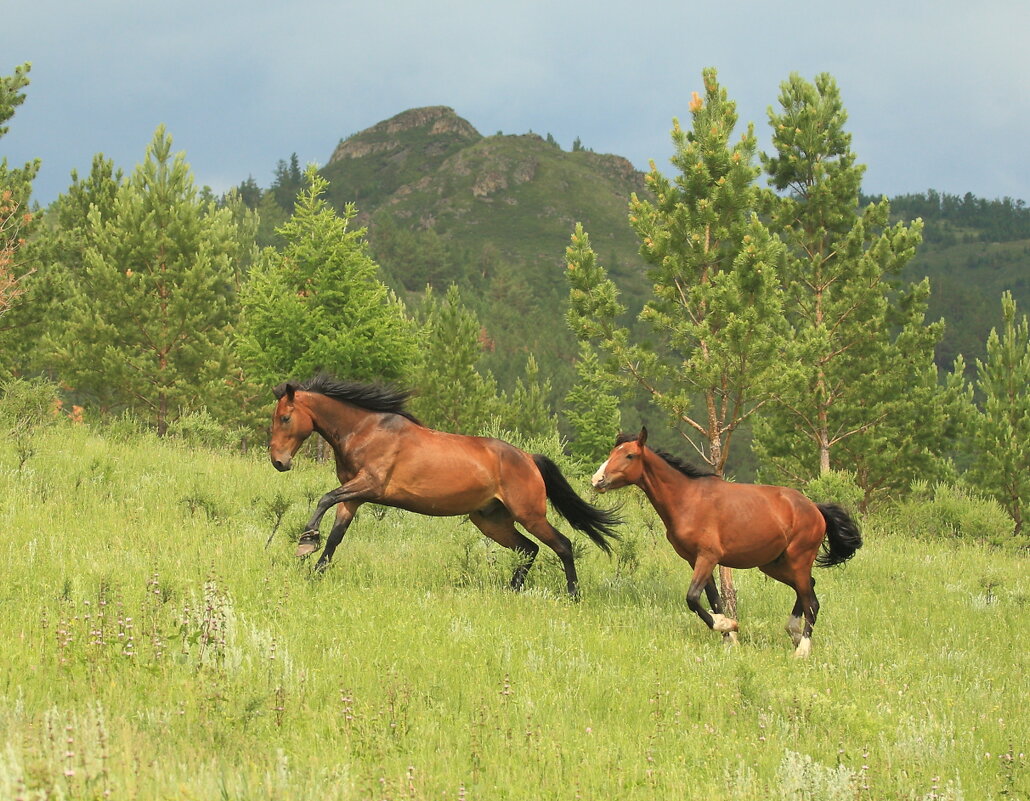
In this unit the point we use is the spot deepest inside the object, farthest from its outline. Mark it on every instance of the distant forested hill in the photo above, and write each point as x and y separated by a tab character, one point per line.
445	204
973	249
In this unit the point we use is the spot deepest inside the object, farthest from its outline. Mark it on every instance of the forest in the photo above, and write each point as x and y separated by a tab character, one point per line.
775	331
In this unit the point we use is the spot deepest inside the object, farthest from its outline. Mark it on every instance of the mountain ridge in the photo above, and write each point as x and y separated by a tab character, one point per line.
495	213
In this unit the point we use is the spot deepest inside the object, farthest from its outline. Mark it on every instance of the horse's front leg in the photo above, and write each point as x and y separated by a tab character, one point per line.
360	488
344	515
703	580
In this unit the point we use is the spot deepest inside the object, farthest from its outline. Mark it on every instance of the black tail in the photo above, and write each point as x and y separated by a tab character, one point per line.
842	536
598	524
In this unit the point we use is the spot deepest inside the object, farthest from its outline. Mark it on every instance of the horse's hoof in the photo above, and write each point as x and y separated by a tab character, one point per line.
804	648
309	543
723	624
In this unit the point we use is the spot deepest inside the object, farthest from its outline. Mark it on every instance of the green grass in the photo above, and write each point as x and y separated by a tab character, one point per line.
154	648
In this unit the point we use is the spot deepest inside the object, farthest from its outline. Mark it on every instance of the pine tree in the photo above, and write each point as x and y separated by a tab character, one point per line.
528	411
859	388
318	305
16	224
1001	427
17	180
592	409
148	321
59	252
715	312
451	392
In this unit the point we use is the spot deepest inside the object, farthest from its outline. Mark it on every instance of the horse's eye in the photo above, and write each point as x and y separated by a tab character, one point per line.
284	419
631	456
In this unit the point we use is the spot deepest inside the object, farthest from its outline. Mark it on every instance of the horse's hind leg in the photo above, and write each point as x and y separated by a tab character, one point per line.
809	606
541	528
498	524
806	605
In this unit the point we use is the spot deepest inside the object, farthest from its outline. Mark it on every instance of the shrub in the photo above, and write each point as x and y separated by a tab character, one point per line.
28	403
25	407
126	427
955	512
200	428
836	486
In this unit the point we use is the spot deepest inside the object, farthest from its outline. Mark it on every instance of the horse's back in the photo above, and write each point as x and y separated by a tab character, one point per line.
752	524
471	471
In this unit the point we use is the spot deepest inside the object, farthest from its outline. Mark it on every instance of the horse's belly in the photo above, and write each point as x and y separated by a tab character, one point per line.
734	550
757	557
440	498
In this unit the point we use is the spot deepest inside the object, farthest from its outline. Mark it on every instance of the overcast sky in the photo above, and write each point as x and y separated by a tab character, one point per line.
938	92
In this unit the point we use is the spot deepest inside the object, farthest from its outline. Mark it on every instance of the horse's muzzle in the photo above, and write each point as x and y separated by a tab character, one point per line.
282	466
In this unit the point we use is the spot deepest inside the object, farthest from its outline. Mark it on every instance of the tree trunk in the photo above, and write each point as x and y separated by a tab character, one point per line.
728	592
726	588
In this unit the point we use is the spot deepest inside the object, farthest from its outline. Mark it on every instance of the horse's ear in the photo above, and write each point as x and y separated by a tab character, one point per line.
642	436
286	389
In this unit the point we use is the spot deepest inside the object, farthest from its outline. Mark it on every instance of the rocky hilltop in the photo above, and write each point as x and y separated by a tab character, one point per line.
428	169
384	137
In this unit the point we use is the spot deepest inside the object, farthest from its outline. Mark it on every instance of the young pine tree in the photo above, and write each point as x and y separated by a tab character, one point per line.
318	305
714	315
149	313
16	223
859	386
1001	426
528	411
451	393
592	409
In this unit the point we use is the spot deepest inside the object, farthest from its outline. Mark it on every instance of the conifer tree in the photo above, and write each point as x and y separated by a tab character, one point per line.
859	387
451	392
1001	426
152	306
715	311
59	251
528	411
16	223
318	304
15	180
592	409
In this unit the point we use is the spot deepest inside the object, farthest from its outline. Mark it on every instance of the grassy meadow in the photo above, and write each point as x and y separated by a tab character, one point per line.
154	648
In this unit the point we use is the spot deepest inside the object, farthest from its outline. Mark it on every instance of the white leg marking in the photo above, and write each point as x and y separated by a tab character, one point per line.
723	623
794	629
804	648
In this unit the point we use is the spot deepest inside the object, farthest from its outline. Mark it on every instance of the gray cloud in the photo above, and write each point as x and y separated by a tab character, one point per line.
936	91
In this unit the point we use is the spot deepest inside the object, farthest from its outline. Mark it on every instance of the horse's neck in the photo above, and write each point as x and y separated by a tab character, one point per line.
666	487
333	419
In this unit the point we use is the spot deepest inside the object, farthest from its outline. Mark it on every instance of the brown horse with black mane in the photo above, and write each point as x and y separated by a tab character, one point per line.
384	455
714	522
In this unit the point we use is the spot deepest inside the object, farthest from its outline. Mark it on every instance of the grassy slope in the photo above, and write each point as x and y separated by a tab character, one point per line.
409	671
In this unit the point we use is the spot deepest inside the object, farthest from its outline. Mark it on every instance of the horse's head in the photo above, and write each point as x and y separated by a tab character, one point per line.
625	464
291	425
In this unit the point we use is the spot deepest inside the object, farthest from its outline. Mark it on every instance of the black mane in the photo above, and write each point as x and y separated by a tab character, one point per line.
686	468
374	397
